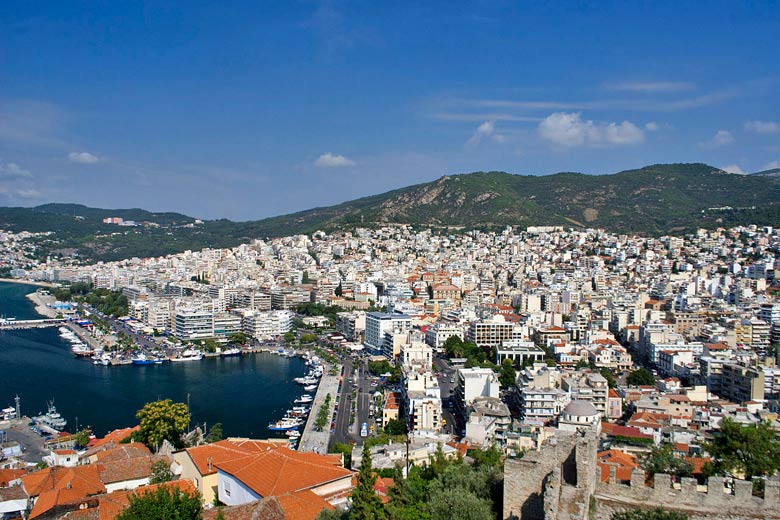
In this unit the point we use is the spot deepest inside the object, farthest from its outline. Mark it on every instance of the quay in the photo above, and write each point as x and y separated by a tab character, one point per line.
312	440
14	324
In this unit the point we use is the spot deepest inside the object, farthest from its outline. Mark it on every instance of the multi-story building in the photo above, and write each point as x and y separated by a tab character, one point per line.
493	332
193	323
439	333
740	383
379	323
352	325
266	325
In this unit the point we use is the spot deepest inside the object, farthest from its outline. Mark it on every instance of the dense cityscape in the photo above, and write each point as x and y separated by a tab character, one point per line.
635	352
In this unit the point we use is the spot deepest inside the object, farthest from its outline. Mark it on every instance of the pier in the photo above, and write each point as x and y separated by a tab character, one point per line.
14	324
311	439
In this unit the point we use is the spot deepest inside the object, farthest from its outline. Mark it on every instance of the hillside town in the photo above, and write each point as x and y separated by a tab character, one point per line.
441	343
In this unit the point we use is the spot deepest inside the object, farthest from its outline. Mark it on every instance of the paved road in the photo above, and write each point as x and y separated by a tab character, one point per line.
341	433
364	400
446	374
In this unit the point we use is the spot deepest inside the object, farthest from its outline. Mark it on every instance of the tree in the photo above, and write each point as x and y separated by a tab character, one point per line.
82	437
305	277
655	514
641	377
339	290
453	347
751	450
455	503
210	345
164	503
366	505
162	420
237	338
395	427
607	374
507	375
161	472
215	433
662	460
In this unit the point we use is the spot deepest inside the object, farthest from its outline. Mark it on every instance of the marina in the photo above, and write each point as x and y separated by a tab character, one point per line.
38	365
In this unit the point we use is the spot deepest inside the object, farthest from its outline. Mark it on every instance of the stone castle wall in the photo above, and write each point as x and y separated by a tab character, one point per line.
562	482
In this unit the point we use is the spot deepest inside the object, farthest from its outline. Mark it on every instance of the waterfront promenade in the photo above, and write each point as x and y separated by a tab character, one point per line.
311	439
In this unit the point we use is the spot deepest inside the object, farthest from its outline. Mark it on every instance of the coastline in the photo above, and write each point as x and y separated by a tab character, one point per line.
41	308
27	282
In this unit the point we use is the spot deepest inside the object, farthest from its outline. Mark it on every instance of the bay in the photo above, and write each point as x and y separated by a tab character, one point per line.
243	393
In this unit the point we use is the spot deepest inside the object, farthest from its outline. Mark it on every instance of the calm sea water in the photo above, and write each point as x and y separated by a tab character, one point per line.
243	393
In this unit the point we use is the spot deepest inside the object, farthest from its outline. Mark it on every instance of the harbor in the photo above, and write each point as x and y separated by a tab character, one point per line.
39	366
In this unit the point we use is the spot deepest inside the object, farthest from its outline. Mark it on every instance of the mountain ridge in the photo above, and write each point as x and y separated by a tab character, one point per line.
655	199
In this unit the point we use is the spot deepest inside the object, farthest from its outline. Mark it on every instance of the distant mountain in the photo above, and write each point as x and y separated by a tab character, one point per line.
663	198
774	172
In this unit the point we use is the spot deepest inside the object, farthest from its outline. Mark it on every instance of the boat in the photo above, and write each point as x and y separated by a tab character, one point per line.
51	418
305	398
231	352
293	433
143	359
284	425
189	355
310	388
81	350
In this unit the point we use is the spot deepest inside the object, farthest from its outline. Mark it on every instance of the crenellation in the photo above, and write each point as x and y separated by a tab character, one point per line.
743	491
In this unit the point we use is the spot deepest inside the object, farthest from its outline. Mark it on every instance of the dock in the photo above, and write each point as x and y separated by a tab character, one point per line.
13	324
311	439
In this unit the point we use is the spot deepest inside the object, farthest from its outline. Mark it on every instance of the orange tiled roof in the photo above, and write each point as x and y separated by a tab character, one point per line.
278	471
303	505
7	475
624	463
218	452
114	436
112	504
59	486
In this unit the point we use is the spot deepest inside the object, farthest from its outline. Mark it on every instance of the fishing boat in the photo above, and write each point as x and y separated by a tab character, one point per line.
143	359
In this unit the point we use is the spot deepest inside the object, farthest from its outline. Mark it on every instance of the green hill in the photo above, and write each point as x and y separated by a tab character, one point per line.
658	199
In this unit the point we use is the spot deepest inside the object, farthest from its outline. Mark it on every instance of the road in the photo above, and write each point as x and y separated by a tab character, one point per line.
341	433
364	399
454	425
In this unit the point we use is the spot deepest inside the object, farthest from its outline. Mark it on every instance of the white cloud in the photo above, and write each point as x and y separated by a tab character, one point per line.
13	171
654	86
763	127
486	130
83	158
721	138
569	130
733	168
28	194
771	165
329	160
652	126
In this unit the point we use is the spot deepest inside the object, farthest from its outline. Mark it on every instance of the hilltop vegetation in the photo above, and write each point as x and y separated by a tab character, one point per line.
658	199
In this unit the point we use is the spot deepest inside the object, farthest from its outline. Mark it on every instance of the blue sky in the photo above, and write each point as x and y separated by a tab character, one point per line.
252	109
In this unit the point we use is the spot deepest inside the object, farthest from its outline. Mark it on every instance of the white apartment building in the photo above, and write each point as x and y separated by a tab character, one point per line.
379	323
192	323
438	334
472	383
266	325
